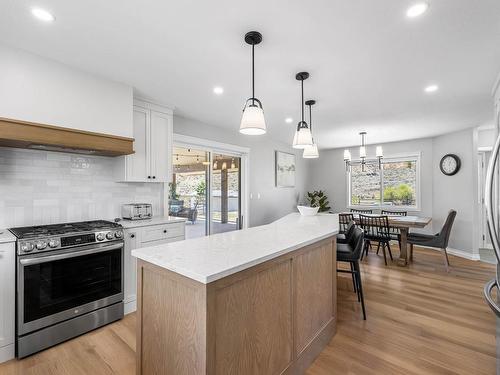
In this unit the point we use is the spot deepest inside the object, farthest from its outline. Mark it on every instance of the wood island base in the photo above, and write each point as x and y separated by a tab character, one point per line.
272	318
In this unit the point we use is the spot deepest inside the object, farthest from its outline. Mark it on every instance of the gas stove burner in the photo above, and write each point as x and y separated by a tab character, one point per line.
59	229
52	237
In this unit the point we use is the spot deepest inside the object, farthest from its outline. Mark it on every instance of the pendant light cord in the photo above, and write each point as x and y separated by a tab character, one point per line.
253	75
302	103
310	119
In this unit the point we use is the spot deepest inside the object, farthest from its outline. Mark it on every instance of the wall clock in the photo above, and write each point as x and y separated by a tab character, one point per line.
450	164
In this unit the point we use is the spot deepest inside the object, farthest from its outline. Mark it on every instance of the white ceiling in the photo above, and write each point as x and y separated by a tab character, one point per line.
368	62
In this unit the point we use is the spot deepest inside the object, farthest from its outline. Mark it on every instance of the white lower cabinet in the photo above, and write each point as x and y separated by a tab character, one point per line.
7	300
145	236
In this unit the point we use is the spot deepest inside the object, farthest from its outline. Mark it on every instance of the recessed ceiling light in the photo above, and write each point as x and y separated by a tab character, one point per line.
417	10
218	90
42	15
289	120
431	88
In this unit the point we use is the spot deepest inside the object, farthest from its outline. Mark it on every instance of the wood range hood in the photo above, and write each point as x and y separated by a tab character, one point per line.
24	134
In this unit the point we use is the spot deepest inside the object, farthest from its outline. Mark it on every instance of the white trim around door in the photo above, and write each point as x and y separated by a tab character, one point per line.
228	149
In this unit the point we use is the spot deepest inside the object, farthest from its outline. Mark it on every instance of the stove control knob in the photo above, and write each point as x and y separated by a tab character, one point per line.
100	237
41	245
118	234
53	243
109	235
27	247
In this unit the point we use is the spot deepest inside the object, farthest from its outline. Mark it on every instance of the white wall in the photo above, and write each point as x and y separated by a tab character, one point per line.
39	187
39	90
459	191
274	202
439	193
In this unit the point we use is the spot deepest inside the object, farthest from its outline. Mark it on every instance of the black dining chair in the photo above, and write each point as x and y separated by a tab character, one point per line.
395	233
360	211
376	229
351	252
344	221
438	240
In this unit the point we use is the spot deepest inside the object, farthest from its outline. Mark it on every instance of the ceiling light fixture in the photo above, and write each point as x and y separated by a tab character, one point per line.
311	152
289	120
302	137
431	88
218	90
42	15
417	9
252	121
379	154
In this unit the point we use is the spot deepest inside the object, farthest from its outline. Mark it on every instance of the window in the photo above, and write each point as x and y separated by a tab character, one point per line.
395	185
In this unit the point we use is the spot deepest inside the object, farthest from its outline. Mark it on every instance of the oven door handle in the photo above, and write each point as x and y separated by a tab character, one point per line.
50	258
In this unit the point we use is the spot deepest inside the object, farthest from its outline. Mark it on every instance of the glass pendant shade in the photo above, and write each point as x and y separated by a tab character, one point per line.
362	152
252	121
379	152
347	155
311	152
303	137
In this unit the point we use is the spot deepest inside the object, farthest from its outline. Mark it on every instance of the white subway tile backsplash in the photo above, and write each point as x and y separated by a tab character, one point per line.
41	187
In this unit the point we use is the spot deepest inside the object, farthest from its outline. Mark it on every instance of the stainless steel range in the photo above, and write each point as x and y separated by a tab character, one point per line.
69	281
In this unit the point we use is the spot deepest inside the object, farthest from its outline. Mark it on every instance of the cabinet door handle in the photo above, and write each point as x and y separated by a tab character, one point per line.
154	176
132	236
149	176
164	231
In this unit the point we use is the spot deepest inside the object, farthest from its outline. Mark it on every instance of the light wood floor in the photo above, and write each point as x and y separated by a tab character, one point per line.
421	320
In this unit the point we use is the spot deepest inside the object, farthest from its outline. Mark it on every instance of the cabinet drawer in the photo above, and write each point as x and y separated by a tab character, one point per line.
161	242
161	232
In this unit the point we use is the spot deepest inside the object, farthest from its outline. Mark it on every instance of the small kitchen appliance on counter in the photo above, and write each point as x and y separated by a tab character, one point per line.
137	211
69	281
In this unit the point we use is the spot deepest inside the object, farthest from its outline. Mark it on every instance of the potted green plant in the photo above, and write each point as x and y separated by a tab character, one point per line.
317	198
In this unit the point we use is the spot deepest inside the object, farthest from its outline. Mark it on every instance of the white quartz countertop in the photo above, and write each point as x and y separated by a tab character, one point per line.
210	258
156	220
6	236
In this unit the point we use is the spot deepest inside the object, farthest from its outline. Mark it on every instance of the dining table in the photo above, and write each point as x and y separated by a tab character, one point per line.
404	224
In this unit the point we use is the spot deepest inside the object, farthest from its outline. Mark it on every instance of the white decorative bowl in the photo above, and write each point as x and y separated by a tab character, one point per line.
308	211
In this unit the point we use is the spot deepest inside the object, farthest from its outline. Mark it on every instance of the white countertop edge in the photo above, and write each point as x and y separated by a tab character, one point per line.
6	236
217	276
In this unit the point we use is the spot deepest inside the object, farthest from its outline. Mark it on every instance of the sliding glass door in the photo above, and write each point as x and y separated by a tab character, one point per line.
226	203
206	190
188	193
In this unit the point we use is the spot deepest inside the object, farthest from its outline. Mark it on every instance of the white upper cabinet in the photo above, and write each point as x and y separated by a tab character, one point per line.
153	133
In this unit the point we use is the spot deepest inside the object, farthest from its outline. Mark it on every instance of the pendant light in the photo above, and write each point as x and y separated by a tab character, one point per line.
311	152
252	120
302	137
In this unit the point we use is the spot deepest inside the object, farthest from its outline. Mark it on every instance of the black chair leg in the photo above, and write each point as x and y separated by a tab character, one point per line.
378	248
353	278
390	253
383	251
360	288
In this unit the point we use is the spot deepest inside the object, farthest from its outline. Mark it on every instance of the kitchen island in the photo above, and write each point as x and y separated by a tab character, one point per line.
257	301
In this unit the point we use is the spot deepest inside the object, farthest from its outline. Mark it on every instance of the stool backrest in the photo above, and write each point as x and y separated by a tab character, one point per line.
344	220
356	241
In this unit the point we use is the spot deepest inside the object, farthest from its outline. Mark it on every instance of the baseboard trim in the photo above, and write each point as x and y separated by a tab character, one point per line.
130	307
451	251
7	353
456	252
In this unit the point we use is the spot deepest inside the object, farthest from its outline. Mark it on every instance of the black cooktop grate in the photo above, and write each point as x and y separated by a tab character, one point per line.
61	229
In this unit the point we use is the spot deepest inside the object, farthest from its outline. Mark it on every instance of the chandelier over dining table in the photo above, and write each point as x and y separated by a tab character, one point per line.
363	160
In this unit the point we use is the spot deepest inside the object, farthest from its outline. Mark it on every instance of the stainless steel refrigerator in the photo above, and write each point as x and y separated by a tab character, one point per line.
493	218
